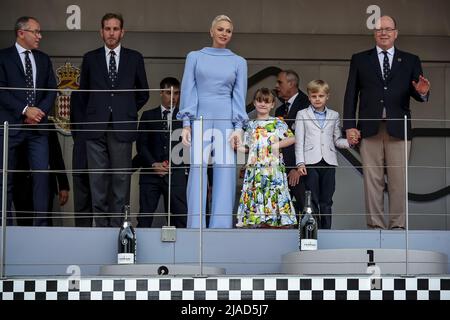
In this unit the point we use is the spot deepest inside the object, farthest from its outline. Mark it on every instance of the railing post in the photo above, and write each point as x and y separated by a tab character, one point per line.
4	198
201	198
170	156
406	197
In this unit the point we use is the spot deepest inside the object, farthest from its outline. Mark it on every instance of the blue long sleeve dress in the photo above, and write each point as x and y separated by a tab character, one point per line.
214	86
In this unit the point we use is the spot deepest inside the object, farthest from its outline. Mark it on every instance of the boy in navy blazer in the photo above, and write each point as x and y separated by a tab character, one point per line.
153	152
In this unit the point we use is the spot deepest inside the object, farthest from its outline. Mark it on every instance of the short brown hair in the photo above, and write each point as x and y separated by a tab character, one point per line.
110	16
318	85
264	94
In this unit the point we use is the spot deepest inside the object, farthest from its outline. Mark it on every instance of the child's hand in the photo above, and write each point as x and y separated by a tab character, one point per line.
353	136
301	169
186	136
236	139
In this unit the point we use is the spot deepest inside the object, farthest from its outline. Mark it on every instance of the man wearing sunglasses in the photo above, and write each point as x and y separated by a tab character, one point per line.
23	66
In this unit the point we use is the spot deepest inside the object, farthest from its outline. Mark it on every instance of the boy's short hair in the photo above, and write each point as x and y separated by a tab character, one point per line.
265	95
318	85
169	82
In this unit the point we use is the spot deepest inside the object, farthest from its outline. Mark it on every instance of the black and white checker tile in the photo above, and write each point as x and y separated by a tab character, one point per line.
229	288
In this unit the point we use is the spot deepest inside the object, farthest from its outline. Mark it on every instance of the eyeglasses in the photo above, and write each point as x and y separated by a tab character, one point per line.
387	30
35	32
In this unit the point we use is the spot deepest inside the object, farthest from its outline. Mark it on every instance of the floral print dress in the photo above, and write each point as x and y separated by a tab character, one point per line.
265	200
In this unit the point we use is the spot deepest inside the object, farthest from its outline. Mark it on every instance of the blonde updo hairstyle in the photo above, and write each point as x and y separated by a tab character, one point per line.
219	18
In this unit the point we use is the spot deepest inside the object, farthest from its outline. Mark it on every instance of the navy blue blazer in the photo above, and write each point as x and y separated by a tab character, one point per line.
365	82
12	74
152	146
97	106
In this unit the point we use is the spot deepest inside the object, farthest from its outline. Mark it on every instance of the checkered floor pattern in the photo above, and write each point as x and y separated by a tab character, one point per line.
229	288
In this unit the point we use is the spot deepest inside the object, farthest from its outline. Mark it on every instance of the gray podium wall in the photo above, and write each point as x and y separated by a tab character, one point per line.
285	34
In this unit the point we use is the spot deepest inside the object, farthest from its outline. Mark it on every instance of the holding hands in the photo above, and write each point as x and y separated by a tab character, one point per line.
301	169
236	139
353	136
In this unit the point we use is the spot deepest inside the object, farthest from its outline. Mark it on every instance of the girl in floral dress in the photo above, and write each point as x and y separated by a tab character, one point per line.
265	201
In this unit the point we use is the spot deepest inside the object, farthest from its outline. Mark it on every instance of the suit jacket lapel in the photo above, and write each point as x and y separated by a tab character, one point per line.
16	58
376	63
312	116
327	119
123	65
293	109
396	61
37	60
101	59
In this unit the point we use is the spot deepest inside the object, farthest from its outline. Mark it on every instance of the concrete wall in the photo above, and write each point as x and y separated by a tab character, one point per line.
316	42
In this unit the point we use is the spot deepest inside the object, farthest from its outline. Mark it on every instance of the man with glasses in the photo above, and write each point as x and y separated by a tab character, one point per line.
383	79
23	66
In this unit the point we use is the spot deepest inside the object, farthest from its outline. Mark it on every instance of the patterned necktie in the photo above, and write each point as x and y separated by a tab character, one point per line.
386	66
29	79
165	113
286	110
112	68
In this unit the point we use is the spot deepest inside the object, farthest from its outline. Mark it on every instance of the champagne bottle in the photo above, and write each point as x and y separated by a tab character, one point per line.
127	241
308	226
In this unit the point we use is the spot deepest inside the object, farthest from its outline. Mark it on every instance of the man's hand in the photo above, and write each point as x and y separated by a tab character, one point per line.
422	86
33	115
293	177
353	136
186	136
161	168
63	196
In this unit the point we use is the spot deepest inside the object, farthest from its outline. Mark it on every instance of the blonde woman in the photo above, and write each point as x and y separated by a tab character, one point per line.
214	86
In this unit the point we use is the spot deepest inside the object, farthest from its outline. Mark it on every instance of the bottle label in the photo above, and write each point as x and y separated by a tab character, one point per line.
308	244
125	258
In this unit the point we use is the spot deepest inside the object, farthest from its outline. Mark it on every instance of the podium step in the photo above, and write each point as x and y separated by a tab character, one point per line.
158	270
364	261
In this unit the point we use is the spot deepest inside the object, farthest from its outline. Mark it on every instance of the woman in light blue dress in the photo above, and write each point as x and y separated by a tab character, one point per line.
214	87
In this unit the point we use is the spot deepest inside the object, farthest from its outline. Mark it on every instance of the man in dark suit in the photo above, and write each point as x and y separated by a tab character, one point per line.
293	100
153	151
81	190
114	118
23	181
23	66
383	78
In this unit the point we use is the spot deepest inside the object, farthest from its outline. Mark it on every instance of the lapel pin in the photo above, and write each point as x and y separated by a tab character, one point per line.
399	59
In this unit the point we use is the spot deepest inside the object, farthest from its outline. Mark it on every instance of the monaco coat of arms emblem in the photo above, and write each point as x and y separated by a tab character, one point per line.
68	80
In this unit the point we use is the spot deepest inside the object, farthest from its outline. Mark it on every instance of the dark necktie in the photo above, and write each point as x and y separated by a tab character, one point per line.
166	134
286	110
165	113
386	66
29	79
112	68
